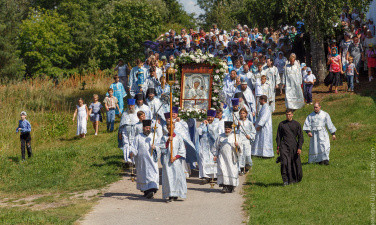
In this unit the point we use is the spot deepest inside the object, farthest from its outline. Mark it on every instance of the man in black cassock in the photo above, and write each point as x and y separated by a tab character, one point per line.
289	146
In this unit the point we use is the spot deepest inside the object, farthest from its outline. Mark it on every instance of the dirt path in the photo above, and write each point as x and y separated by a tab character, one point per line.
122	203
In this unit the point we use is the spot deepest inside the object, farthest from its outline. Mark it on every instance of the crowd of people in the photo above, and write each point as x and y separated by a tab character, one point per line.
260	66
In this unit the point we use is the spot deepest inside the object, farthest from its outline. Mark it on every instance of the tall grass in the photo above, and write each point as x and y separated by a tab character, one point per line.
49	107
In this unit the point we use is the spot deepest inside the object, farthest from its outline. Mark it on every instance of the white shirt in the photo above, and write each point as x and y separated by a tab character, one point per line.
309	78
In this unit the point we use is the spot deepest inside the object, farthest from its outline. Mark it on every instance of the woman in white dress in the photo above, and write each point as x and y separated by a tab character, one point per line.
82	113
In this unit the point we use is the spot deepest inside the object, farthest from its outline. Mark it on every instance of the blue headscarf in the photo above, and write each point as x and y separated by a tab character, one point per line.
334	55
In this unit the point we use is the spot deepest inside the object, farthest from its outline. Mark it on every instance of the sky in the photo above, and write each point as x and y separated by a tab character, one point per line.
191	7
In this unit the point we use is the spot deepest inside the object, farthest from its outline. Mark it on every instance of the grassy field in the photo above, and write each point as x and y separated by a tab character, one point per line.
48	188
335	194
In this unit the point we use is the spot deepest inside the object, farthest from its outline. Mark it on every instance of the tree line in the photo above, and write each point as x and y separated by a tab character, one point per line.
56	38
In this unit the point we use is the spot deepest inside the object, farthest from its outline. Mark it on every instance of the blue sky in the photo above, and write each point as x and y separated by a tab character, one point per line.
190	6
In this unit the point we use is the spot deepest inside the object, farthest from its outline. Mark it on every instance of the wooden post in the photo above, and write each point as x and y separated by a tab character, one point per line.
171	130
233	125
155	129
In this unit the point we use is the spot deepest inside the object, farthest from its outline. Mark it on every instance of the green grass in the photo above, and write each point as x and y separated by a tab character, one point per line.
334	194
72	165
62	164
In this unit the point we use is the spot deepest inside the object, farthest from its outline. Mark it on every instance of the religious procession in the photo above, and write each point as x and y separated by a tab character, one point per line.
203	101
187	112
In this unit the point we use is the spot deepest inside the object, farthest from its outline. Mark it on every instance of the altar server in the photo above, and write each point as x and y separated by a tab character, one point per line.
263	144
247	133
315	125
208	133
127	129
292	81
145	150
226	155
174	184
140	106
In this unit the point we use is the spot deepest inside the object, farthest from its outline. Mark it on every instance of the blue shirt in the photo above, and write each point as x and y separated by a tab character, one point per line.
24	125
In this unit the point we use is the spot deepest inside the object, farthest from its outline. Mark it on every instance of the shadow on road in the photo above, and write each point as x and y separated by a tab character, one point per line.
260	184
130	196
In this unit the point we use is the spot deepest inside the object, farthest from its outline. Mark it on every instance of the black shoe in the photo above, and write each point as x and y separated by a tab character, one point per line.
285	183
247	168
326	162
224	190
169	200
149	195
175	198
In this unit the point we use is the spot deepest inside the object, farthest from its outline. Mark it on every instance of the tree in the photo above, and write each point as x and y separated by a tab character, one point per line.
127	24
177	15
45	43
11	66
224	13
319	17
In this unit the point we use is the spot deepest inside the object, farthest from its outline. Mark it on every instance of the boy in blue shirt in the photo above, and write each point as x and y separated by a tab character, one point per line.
24	128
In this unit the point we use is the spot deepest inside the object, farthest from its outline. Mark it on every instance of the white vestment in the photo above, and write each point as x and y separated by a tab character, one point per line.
319	145
127	130
292	79
154	105
227	160
174	182
208	134
249	98
146	161
229	89
144	108
273	78
263	144
246	128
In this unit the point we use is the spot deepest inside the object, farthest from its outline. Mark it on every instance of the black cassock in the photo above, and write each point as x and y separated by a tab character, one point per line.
289	140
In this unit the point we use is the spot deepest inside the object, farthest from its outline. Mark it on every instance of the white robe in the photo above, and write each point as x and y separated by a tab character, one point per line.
249	98
263	144
319	145
221	125
208	134
245	129
146	163
265	90
292	79
144	108
127	130
273	78
229	89
227	160
174	182
154	105
256	82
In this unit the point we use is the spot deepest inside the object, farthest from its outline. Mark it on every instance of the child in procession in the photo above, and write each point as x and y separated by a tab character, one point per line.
247	133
